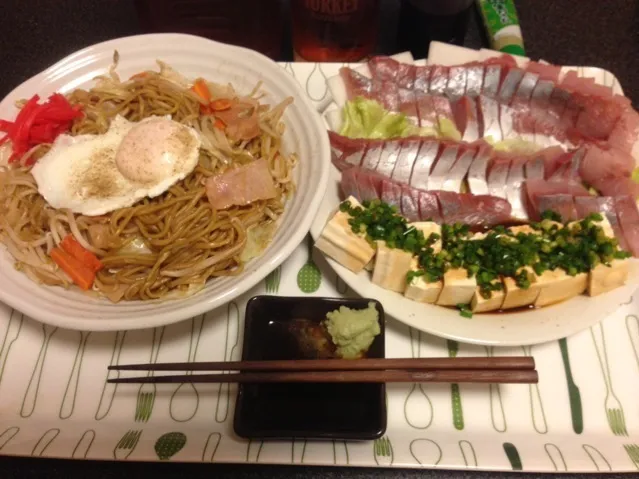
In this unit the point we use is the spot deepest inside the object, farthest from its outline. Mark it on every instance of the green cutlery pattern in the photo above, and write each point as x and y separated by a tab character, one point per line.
383	452
230	345
11	335
614	409
497	413
537	412
597	458
185	400
31	395
418	408
83	446
211	447
317	83
127	444
309	277
458	412
337	452
147	391
633	453
109	389
298	451
253	450
468	453
71	391
45	441
7	435
272	280
169	444
632	325
556	457
574	396
426	452
513	456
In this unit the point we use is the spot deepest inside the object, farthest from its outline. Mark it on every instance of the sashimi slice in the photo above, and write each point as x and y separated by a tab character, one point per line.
497	176
474	80
386	92
604	205
426	110
408	105
373	154
466	118
392	194
507	118
406	76
509	85
444	163
406	159
429	207
477	174
369	184
514	190
625	134
619	186
564	205
456	86
629	221
410	203
489	118
388	158
438	80
384	68
601	163
545	71
426	157
537	189
534	168
355	83
492	80
458	172
444	109
526	87
541	94
473	210
350	183
422	78
346	152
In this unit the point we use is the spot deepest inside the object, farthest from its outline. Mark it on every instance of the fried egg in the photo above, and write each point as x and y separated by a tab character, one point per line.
96	174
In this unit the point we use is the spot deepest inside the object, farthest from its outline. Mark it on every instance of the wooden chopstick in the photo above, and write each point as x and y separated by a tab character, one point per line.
466	363
390	376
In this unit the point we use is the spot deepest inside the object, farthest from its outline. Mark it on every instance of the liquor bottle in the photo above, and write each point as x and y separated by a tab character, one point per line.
334	30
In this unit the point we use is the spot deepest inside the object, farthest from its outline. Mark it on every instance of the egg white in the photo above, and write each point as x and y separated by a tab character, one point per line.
97	174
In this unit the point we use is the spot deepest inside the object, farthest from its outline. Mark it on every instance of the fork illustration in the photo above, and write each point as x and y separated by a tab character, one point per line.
126	445
12	332
614	409
633	453
272	281
632	325
383	451
147	391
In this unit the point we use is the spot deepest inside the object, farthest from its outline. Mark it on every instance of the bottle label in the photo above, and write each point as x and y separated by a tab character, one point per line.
331	10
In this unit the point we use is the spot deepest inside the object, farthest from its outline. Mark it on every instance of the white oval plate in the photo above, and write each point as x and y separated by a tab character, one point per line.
502	329
191	56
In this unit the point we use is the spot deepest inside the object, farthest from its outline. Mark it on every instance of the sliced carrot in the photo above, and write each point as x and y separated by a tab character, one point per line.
219	124
201	89
71	246
205	109
80	274
221	104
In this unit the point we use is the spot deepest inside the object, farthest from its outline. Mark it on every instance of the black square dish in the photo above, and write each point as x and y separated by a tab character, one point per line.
313	411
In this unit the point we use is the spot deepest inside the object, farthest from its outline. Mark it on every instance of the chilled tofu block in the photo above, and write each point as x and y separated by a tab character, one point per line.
605	278
458	288
479	304
516	297
557	286
338	241
428	228
391	267
420	290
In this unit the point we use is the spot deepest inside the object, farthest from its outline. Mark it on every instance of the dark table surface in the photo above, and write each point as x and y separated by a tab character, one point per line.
36	33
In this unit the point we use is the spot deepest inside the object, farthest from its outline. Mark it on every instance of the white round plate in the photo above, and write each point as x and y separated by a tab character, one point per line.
193	57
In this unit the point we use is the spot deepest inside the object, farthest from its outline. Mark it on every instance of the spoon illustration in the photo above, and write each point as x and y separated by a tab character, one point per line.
211	446
536	405
232	339
597	458
316	86
556	457
84	445
31	396
169	444
7	435
468	453
45	441
418	409
13	330
109	389
426	452
183	405
71	391
309	276
497	414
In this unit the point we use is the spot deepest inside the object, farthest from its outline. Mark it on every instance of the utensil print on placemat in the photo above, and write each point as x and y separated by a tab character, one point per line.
632	325
340	453
316	84
458	412
383	452
289	68
109	389
169	444
31	395
45	441
576	409
127	444
185	400
418	408
272	280
597	458
309	277
7	435
513	456
614	408
83	446
537	413
147	391
468	453
11	335
211	447
497	414
426	452
633	453
298	451
628	302
71	391
253	450
556	457
230	345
